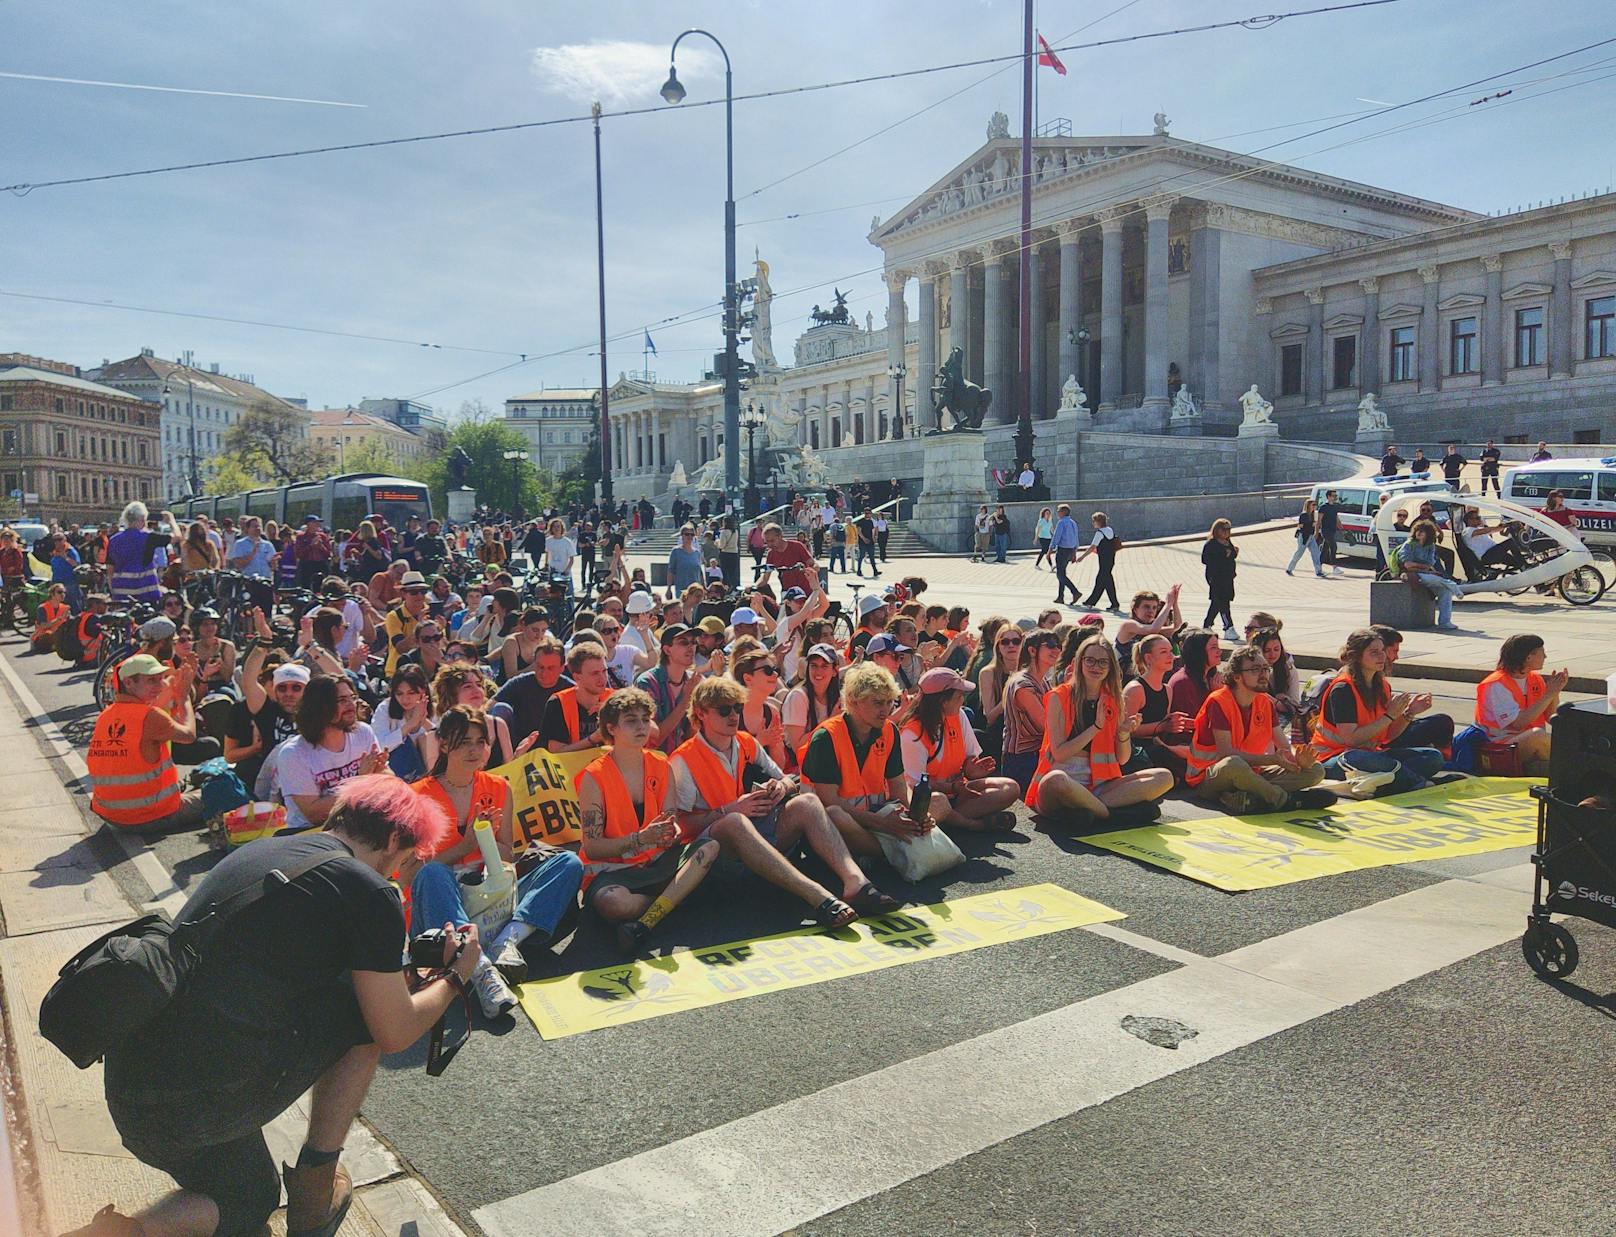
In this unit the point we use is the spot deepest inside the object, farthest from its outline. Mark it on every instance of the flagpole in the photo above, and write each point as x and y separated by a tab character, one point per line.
600	261
1024	432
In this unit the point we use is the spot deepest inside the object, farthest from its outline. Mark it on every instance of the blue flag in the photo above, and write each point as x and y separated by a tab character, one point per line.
650	344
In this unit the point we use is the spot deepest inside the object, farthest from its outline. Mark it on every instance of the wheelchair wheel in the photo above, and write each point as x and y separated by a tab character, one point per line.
1582	587
1549	949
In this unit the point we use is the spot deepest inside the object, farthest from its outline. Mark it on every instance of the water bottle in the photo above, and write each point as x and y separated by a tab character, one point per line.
920	799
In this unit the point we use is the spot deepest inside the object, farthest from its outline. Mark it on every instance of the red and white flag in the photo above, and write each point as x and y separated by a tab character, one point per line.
1046	56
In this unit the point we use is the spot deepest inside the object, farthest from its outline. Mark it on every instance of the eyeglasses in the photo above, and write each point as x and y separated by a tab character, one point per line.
1099	663
1010	643
727	710
429	638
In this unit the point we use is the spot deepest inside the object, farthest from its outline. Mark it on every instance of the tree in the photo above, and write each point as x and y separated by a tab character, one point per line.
372	455
226	476
490	473
270	442
476	412
577	482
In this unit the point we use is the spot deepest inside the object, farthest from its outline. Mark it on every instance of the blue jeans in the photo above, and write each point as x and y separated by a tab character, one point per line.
838	554
1309	547
1001	546
543	896
860	555
1412	766
1444	590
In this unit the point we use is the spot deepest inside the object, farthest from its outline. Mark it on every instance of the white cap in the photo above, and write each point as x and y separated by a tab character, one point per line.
640	603
290	674
743	614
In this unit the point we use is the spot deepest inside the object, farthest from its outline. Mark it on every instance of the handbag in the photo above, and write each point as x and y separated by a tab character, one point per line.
119	982
914	859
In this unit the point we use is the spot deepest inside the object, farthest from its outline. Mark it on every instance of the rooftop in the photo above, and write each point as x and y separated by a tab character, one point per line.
27	373
554	393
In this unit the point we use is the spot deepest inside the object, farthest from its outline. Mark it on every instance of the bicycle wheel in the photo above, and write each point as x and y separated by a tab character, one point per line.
841	630
105	676
1582	587
22	616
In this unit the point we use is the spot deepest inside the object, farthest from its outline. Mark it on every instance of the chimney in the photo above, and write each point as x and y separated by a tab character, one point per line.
147	352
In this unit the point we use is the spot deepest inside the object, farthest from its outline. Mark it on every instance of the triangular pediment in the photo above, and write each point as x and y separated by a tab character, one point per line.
1401	310
1342	321
1522	290
1464	300
1290	330
1594	279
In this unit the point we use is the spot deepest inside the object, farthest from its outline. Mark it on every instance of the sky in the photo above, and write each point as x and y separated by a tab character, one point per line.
488	242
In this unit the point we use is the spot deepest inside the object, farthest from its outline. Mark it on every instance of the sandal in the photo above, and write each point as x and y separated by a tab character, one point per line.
834	913
871	901
999	822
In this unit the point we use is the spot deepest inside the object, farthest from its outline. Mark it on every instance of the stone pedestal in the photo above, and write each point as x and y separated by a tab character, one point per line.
1372	443
460	503
1149	418
1263	429
1184	427
955	486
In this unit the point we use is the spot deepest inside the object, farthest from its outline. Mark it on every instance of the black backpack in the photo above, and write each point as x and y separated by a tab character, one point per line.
117	984
66	643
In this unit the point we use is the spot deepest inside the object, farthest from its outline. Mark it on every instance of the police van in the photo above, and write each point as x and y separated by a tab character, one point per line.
1589	486
1360	499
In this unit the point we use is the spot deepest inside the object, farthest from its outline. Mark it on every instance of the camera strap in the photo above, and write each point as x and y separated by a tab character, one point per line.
437	1056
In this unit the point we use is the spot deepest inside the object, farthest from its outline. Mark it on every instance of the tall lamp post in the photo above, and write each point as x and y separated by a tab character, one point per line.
193	473
516	458
603	420
674	92
896	373
752	421
1080	340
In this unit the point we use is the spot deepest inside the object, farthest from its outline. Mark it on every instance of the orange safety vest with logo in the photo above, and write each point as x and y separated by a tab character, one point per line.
870	779
717	785
52	614
86	640
1536	689
569	710
1253	740
126	789
1328	739
621	819
947	758
1104	761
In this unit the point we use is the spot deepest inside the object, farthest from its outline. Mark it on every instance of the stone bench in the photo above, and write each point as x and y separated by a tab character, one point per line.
1400	604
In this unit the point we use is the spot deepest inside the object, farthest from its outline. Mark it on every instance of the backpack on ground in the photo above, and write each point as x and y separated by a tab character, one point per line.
67	644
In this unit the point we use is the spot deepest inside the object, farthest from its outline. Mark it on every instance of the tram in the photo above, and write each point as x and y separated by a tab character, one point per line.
342	502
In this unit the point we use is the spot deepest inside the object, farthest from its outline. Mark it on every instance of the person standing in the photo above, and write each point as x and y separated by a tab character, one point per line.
864	528
729	550
1391	462
1307	538
999	526
312	548
253	555
1453	465
1490	456
1104	549
1542	453
1329	524
132	555
882	532
1218	556
1065	543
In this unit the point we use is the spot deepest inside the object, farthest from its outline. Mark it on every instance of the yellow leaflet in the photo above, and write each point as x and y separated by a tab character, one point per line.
544	806
1257	852
714	974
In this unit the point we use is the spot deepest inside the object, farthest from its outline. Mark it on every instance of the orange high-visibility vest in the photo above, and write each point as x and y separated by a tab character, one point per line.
52	614
570	710
621	819
127	789
1255	740
1104	761
870	779
1536	689
947	758
717	784
1328	739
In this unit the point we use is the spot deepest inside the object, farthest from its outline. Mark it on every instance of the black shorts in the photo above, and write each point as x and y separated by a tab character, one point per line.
647	878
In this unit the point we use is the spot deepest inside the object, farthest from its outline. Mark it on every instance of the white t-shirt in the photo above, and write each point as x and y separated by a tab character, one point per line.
305	769
645	641
914	754
560	551
1501	707
352	616
827	516
1480	541
1102	534
621	663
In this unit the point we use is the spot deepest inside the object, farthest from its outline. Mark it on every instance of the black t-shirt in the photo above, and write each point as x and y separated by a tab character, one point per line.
1489	460
1340	707
527	698
1390	463
554	727
1452	466
270	725
533	543
866	531
1329	514
430	551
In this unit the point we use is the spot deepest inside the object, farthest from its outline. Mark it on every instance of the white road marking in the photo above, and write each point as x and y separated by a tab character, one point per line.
774	1169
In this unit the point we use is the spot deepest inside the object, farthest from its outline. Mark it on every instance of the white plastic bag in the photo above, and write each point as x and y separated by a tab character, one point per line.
914	859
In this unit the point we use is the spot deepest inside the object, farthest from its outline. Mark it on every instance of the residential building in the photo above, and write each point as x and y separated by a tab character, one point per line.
407	414
557	422
72	449
347	432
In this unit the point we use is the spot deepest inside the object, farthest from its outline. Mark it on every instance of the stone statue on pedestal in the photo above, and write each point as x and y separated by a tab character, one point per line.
762	342
458	462
964	400
1184	408
1370	417
1161	124
710	476
678	478
1072	395
1254	409
814	474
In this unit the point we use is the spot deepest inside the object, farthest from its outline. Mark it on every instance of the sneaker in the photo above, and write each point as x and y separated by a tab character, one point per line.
633	938
510	963
1289	572
1321	575
492	994
1235	802
1229	633
1336	571
1310	799
1364	785
1448	627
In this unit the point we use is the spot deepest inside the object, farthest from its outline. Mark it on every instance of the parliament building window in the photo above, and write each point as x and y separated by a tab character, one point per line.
1290	369
1402	354
1529	336
1345	371
1601	322
1462	346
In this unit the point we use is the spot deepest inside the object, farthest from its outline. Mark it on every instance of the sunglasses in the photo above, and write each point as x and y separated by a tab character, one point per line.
770	670
1012	642
727	710
429	639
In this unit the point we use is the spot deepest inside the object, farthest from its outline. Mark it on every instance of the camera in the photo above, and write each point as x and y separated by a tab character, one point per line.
427	950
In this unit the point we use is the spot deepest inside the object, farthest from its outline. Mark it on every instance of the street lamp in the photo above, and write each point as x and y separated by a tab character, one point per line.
516	458
896	373
753	421
194	475
673	91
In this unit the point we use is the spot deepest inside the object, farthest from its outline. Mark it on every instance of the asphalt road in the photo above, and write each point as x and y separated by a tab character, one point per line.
1473	1098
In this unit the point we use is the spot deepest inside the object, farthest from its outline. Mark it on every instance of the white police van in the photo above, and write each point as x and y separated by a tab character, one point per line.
1360	499
1589	486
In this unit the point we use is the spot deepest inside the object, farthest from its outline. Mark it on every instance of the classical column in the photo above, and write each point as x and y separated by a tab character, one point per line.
1071	300
1156	346
1560	330
1037	386
959	303
897	321
919	382
999	374
1110	308
1430	329
872	421
656	440
1492	322
1204	335
1315	371
1369	369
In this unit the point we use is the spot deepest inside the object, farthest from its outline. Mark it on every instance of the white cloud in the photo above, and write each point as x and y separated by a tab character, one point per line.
615	72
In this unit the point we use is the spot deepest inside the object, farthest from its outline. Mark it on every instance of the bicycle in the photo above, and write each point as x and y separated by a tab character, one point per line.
842	624
22	601
120	640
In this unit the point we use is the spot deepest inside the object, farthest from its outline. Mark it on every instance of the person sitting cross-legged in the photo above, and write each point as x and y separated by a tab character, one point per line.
1515	701
1361	732
937	744
1087	740
726	787
635	871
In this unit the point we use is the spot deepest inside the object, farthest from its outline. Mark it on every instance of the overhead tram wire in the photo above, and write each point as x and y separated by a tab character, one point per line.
1257	22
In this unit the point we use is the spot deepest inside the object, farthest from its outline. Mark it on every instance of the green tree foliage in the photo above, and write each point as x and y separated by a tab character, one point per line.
270	443
490	473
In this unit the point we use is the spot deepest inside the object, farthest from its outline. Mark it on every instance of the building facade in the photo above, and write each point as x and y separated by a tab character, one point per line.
351	435
1159	267
407	414
557	424
71	449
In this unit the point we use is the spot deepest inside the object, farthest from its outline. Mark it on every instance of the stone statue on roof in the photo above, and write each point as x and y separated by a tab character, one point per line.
998	126
1161	124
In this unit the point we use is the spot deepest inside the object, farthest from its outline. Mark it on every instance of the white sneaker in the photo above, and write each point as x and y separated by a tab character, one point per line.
1229	633
492	993
509	962
1364	785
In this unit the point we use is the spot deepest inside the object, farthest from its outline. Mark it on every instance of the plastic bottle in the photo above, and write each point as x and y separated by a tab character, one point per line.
920	799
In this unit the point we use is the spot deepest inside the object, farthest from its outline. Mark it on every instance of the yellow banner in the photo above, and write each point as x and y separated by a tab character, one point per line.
544	806
1258	852
692	979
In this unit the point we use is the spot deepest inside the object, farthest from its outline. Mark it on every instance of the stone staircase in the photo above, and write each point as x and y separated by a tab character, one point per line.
902	542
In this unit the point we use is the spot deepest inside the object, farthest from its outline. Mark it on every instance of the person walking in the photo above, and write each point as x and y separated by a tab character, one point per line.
1218	556
1307	538
864	529
883	530
982	530
1490	456
999	526
1104	548
1045	534
1065	543
1329	521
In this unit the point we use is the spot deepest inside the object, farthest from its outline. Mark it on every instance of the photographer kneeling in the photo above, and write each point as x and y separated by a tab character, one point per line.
303	988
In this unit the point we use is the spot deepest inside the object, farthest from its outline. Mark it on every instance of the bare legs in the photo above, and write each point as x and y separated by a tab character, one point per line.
1059	791
617	904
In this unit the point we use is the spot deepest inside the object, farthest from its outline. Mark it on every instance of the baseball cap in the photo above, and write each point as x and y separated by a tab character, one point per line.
712	625
158	628
141	665
827	652
942	679
869	604
412	579
640	603
1091	620
290	674
743	614
673	631
312	519
884	644
793	594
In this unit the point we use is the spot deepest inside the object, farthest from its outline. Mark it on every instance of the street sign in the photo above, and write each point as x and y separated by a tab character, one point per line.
30	498
16	493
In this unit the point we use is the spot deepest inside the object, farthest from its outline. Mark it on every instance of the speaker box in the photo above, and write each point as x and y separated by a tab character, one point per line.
1582	760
